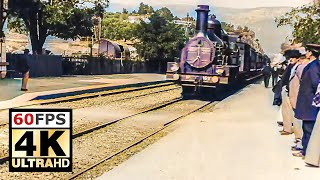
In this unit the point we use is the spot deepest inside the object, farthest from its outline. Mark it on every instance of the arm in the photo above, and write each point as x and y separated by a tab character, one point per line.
314	77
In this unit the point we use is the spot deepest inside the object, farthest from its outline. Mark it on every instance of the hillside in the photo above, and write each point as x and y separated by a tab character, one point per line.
261	20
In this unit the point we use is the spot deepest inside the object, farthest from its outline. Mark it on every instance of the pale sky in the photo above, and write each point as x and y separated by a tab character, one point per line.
221	3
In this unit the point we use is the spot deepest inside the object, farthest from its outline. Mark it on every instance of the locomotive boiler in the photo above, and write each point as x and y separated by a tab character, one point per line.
213	59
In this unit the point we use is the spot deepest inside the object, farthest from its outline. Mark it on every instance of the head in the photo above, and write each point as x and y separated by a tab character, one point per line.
292	55
312	54
313	51
293	60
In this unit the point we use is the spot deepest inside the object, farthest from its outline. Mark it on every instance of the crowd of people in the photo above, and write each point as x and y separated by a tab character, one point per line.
298	94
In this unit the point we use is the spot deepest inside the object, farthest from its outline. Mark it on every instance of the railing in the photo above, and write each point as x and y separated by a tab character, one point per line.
99	65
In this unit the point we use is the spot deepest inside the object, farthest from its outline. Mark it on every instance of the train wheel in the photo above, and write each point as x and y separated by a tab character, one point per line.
207	94
187	92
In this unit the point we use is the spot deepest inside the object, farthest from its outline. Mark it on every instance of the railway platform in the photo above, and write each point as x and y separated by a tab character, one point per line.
237	139
53	87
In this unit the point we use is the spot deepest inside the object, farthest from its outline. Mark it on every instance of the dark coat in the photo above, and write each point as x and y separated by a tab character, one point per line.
275	72
277	89
266	71
286	76
21	64
308	86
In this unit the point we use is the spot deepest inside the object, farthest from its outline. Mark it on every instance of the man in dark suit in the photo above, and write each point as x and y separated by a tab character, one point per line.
23	67
266	71
308	85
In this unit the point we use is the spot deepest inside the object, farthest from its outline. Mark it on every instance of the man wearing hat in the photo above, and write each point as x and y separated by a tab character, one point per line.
309	81
286	109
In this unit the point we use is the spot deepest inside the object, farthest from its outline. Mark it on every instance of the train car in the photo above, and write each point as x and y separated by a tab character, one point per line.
212	58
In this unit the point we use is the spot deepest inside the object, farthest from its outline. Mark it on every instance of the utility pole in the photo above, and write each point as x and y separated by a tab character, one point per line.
3	63
187	25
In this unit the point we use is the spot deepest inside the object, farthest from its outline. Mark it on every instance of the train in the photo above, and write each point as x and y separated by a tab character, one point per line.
214	59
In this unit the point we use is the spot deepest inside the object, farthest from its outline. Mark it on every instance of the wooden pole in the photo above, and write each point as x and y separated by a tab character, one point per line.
3	62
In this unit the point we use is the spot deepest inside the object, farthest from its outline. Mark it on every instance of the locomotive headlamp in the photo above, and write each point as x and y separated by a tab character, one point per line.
174	67
176	76
214	79
219	71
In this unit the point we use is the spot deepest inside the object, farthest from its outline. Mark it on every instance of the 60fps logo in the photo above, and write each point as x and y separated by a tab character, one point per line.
40	140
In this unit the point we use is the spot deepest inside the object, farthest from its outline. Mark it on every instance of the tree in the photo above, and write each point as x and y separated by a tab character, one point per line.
165	13
159	41
305	21
125	11
116	27
145	9
188	18
227	26
63	19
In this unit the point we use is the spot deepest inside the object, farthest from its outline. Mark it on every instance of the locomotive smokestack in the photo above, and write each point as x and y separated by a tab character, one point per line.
202	18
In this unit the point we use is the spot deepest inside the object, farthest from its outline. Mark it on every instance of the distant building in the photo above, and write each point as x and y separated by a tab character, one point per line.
180	22
138	19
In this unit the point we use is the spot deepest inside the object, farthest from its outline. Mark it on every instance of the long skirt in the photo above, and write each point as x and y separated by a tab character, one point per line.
313	150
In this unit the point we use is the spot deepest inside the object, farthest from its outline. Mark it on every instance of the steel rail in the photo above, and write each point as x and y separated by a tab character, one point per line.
92	129
166	125
55	101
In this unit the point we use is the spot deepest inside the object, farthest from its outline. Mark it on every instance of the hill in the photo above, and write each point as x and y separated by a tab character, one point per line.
260	20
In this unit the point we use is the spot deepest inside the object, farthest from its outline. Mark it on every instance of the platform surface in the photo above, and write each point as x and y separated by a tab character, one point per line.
10	88
238	140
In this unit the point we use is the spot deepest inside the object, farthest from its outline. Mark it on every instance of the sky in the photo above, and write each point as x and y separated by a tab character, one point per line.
221	3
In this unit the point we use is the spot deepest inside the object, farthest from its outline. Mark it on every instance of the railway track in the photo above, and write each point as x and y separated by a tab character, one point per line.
92	129
136	143
76	98
90	95
95	95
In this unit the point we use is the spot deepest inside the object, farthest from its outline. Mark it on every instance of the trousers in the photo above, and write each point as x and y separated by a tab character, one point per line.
290	123
266	79
313	151
307	127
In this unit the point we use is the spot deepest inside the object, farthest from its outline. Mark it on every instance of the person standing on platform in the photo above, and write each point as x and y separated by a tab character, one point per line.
305	111
266	71
274	74
286	108
313	150
23	67
294	85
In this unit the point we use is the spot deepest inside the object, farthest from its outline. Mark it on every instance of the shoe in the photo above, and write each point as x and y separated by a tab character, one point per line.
311	165
298	154
297	141
295	148
22	89
280	123
284	133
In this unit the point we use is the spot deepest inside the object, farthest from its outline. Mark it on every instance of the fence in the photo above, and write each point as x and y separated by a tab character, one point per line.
40	65
49	65
100	65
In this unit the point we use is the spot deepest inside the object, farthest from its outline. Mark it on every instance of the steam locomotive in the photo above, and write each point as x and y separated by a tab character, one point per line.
213	59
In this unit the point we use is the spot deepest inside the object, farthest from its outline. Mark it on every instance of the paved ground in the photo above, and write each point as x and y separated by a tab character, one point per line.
239	139
10	88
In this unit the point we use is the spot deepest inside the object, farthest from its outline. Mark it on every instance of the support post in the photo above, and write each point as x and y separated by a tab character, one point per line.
3	63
